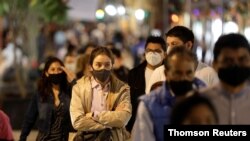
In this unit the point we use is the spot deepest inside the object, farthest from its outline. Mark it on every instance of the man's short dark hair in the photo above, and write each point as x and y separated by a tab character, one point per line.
180	51
156	40
182	32
232	41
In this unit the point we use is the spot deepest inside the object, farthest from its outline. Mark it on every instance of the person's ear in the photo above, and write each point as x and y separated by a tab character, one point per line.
189	45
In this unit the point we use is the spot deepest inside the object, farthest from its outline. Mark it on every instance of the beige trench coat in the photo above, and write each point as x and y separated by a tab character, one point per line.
118	99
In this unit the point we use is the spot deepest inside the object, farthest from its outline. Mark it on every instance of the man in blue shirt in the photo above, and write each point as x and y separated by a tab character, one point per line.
154	109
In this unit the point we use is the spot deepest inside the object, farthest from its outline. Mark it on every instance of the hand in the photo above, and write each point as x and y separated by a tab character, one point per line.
96	113
70	75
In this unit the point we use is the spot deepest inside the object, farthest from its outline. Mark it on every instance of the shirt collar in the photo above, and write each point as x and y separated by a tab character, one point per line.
228	94
95	84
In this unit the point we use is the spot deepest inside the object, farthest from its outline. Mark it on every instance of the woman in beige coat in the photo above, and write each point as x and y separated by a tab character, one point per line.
101	101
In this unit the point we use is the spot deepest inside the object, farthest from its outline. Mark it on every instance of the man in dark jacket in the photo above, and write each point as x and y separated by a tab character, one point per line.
139	76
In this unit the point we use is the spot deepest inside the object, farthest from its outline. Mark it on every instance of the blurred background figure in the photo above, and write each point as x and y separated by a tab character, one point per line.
82	66
41	43
125	55
12	56
110	45
67	49
87	49
82	63
119	69
194	110
138	50
70	61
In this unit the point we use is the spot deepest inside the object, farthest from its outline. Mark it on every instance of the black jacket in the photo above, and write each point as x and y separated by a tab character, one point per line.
43	112
136	81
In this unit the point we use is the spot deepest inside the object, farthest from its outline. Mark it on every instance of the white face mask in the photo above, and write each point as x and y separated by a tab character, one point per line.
71	66
153	58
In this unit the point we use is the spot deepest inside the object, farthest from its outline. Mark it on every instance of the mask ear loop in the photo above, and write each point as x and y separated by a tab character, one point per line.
169	88
194	86
192	93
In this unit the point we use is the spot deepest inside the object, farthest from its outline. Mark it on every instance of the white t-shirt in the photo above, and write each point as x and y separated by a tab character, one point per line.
207	74
148	73
204	72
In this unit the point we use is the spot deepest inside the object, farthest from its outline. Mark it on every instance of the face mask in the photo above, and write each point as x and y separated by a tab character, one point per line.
153	58
181	87
56	78
101	75
71	66
234	75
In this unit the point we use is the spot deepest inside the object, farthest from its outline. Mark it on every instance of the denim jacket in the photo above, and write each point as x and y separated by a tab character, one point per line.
43	112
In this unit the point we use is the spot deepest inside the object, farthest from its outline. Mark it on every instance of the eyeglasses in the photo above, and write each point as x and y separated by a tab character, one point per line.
155	50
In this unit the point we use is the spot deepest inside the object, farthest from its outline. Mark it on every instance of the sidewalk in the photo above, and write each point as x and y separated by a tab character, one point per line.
31	137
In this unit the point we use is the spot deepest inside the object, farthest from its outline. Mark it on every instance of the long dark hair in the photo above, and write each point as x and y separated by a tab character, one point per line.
44	86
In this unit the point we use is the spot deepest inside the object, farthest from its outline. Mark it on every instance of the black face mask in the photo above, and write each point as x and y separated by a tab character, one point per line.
234	75
181	87
101	75
56	78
